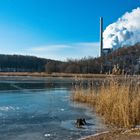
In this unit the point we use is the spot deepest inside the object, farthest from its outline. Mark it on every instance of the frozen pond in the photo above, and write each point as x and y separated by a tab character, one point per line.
42	110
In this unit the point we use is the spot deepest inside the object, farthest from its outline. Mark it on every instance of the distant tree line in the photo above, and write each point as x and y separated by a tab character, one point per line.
85	65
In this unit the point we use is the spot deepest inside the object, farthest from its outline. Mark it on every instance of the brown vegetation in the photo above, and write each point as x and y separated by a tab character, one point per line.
118	103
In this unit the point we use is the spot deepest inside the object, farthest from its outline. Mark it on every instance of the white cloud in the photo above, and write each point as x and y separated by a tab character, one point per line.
125	31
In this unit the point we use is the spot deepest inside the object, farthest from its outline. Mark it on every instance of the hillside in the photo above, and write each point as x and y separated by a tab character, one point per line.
20	63
125	59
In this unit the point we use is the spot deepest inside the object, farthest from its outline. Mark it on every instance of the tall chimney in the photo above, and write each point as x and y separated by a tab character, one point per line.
101	36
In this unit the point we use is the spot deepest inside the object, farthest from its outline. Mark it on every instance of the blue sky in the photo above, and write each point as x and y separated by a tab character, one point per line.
57	29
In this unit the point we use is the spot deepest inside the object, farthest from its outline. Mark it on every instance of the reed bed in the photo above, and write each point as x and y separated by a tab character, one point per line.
118	102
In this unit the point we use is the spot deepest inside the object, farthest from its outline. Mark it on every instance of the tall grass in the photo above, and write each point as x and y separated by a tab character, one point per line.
118	103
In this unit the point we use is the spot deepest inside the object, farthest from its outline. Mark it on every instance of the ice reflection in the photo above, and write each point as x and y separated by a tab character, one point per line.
33	111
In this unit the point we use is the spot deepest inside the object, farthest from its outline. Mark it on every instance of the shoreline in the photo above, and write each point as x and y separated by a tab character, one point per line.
67	75
44	74
94	135
117	134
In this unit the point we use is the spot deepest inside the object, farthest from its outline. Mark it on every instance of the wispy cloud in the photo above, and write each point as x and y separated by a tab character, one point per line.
48	48
64	51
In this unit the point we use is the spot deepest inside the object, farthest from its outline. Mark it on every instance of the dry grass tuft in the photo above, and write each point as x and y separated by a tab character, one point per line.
118	103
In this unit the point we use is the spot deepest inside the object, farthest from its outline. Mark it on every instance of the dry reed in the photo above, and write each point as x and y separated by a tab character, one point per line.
118	103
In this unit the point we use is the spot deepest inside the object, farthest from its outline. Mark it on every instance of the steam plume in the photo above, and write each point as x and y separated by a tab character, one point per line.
125	31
